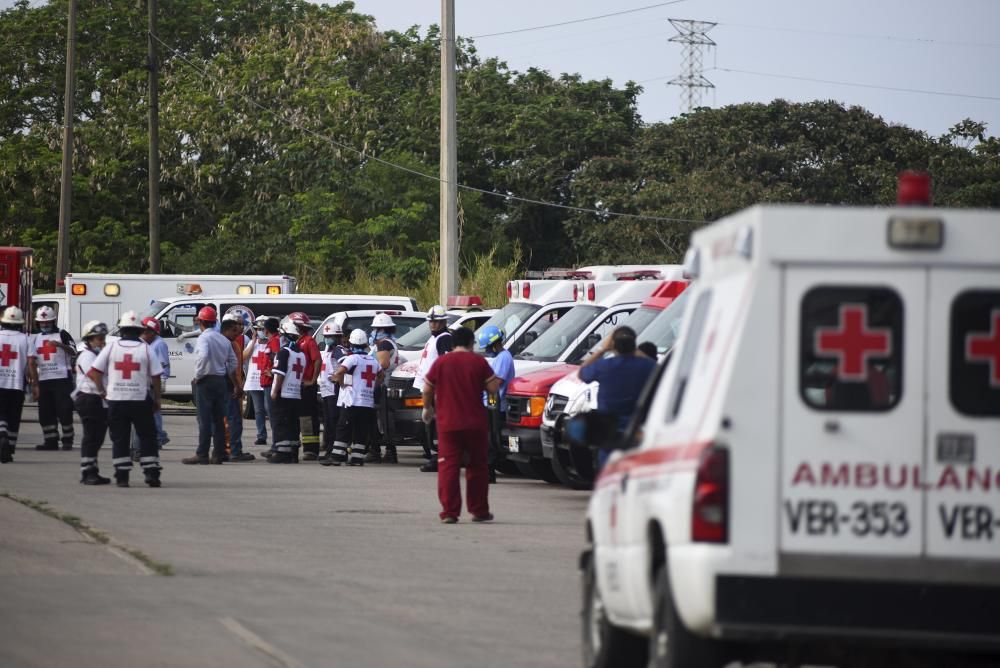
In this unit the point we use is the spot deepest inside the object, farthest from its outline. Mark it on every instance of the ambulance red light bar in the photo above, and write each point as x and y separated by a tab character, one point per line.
913	189
710	510
464	301
568	275
642	275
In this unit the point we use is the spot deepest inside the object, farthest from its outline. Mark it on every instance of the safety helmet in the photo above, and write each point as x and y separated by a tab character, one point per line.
437	312
259	321
94	328
129	320
232	317
45	314
151	323
288	328
299	318
489	335
12	315
207	314
382	321
333	329
358	338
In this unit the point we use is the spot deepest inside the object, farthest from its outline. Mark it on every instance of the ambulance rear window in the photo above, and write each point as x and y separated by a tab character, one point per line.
974	353
851	348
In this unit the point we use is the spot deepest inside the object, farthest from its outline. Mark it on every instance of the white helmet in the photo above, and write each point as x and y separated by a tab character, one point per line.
232	317
358	338
45	314
437	312
333	329
129	319
382	321
289	328
12	315
259	321
93	328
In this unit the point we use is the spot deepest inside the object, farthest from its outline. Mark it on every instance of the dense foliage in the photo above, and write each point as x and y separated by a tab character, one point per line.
272	111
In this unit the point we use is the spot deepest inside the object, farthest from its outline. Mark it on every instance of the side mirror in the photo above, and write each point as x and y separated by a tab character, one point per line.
190	335
594	429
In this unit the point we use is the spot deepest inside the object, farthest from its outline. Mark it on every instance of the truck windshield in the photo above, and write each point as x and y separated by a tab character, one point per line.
154	309
639	320
510	318
665	327
554	342
417	337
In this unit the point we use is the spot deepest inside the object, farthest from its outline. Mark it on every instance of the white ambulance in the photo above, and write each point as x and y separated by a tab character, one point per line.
816	473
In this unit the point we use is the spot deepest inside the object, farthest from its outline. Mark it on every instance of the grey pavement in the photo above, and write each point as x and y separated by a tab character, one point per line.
282	565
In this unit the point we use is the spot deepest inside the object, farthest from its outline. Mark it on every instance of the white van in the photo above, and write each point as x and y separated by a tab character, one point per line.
816	474
179	329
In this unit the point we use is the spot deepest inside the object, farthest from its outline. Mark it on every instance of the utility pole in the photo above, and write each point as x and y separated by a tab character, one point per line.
66	194
449	156
692	82
154	145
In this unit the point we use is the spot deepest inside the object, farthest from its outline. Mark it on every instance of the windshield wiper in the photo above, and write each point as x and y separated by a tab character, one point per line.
523	355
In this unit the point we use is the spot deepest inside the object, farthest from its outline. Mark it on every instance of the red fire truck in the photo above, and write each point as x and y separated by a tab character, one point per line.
16	265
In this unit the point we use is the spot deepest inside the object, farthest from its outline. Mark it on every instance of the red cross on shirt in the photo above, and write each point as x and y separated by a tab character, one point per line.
127	366
260	359
298	369
369	376
852	343
983	347
7	354
48	349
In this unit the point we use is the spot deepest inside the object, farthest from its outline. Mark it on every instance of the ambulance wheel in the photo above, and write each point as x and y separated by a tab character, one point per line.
604	644
671	644
564	475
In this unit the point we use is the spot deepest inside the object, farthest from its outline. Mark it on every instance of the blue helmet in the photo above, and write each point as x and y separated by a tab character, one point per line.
489	335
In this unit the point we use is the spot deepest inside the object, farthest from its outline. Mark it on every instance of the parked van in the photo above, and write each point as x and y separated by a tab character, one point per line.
819	463
180	331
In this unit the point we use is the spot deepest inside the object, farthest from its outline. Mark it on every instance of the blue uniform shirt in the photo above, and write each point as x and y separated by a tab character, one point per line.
622	378
503	366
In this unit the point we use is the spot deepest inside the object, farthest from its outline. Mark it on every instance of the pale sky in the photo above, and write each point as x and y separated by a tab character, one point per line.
928	45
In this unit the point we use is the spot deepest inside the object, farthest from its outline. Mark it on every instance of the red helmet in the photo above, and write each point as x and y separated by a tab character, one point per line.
207	314
151	323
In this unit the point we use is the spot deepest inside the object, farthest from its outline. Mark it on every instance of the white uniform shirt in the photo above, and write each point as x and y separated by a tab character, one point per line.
53	363
330	361
128	366
364	371
427	358
14	347
84	360
258	361
290	365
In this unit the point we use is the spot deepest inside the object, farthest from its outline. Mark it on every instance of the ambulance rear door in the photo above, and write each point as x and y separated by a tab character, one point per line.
852	411
963	445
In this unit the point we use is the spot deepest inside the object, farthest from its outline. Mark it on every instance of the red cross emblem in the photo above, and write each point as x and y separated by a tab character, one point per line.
369	376
260	359
48	349
852	343
982	347
298	369
127	366
7	354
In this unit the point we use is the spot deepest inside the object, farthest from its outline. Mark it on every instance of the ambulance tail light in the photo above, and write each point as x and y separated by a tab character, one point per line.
591	292
510	290
576	292
415	402
526	289
274	289
710	510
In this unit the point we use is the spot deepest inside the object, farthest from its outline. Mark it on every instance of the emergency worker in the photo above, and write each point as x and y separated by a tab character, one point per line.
286	397
129	373
440	343
384	349
214	367
52	353
309	409
232	329
362	373
274	343
89	402
14	372
331	354
491	340
151	335
258	359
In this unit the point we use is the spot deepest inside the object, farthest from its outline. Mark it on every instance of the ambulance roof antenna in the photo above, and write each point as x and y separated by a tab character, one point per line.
692	81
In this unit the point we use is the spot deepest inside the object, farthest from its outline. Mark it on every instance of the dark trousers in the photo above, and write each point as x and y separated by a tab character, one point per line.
56	405
354	430
309	419
454	447
496	421
11	407
210	401
123	416
331	414
94	417
285	418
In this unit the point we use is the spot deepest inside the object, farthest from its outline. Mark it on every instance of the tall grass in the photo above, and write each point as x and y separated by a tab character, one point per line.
482	276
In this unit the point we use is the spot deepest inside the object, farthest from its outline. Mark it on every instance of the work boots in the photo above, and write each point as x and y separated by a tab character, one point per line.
374	455
6	451
121	478
152	477
93	477
390	456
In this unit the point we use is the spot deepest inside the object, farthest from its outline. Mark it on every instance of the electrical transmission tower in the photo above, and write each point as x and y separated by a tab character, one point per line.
692	82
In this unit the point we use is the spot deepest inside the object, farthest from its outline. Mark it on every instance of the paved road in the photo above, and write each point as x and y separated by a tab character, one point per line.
282	566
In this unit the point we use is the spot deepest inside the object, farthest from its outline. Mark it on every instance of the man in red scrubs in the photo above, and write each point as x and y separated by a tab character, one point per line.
453	388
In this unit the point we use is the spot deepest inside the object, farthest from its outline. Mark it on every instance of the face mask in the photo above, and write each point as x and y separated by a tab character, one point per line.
96	348
360	350
46	328
329	341
261	334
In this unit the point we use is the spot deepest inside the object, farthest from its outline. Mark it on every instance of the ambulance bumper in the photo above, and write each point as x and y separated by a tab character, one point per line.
521	444
895	614
549	437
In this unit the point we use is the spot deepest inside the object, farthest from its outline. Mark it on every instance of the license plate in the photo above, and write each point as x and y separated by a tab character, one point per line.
395	393
513	444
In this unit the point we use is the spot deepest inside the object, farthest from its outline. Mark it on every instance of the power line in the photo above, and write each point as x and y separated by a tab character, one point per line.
574	21
388	163
891	38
